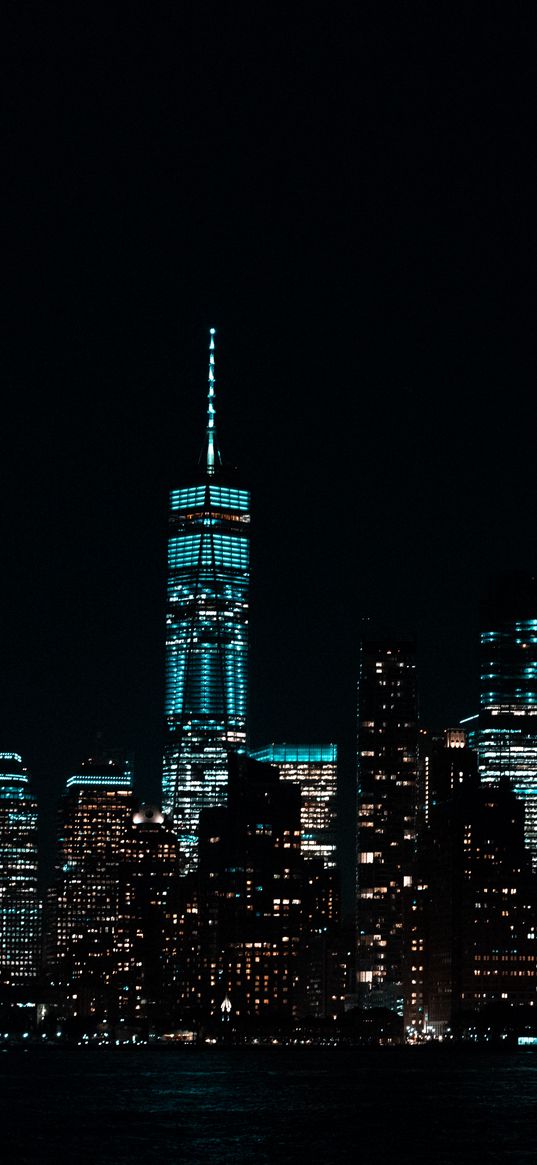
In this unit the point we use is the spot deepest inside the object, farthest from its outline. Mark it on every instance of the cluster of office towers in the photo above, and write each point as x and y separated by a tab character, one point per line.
225	902
447	839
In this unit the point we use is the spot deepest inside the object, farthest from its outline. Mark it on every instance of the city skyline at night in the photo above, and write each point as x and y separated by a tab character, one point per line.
367	270
268	605
226	905
207	686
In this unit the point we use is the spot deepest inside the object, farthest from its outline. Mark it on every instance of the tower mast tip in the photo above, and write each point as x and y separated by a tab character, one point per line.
211	413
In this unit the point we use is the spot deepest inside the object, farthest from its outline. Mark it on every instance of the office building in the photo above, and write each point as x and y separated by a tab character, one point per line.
90	941
507	731
314	769
20	908
114	934
206	636
387	793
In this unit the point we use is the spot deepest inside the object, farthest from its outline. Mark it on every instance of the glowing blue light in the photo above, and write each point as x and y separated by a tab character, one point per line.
297	754
106	780
206	649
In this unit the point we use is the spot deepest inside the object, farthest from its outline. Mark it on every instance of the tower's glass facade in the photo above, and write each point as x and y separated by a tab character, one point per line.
507	735
20	908
206	640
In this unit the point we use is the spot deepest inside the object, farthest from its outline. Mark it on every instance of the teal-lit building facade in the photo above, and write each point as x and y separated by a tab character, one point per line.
507	725
314	769
20	906
206	637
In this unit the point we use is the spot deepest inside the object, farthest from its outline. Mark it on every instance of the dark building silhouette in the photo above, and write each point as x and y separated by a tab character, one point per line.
444	762
154	869
326	956
387	792
250	897
470	913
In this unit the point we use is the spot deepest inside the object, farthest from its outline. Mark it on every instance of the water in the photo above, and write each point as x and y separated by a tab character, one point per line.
248	1105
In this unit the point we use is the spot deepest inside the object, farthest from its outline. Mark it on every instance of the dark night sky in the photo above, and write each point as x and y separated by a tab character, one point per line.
349	196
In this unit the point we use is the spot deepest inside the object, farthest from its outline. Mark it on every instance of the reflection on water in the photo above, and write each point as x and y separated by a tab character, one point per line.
269	1105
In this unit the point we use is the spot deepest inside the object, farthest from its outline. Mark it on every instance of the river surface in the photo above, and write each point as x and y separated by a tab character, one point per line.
254	1105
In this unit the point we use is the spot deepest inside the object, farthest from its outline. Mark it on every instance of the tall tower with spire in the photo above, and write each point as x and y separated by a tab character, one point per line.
206	635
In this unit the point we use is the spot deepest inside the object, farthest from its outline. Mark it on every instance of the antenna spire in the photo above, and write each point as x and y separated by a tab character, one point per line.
211	434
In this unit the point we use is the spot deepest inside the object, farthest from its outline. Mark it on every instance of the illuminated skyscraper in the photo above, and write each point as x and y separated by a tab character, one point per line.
314	769
387	793
112	942
206	637
20	910
507	726
89	949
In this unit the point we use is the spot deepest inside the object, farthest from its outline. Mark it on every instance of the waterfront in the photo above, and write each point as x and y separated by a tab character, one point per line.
368	1106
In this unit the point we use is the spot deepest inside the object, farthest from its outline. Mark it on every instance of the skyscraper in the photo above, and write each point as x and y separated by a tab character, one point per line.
314	769
447	777
507	732
387	788
90	943
113	936
20	908
153	875
206	636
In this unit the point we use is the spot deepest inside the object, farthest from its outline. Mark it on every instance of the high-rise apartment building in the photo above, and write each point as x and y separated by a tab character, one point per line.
20	908
387	791
90	942
113	933
206	637
507	726
314	769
